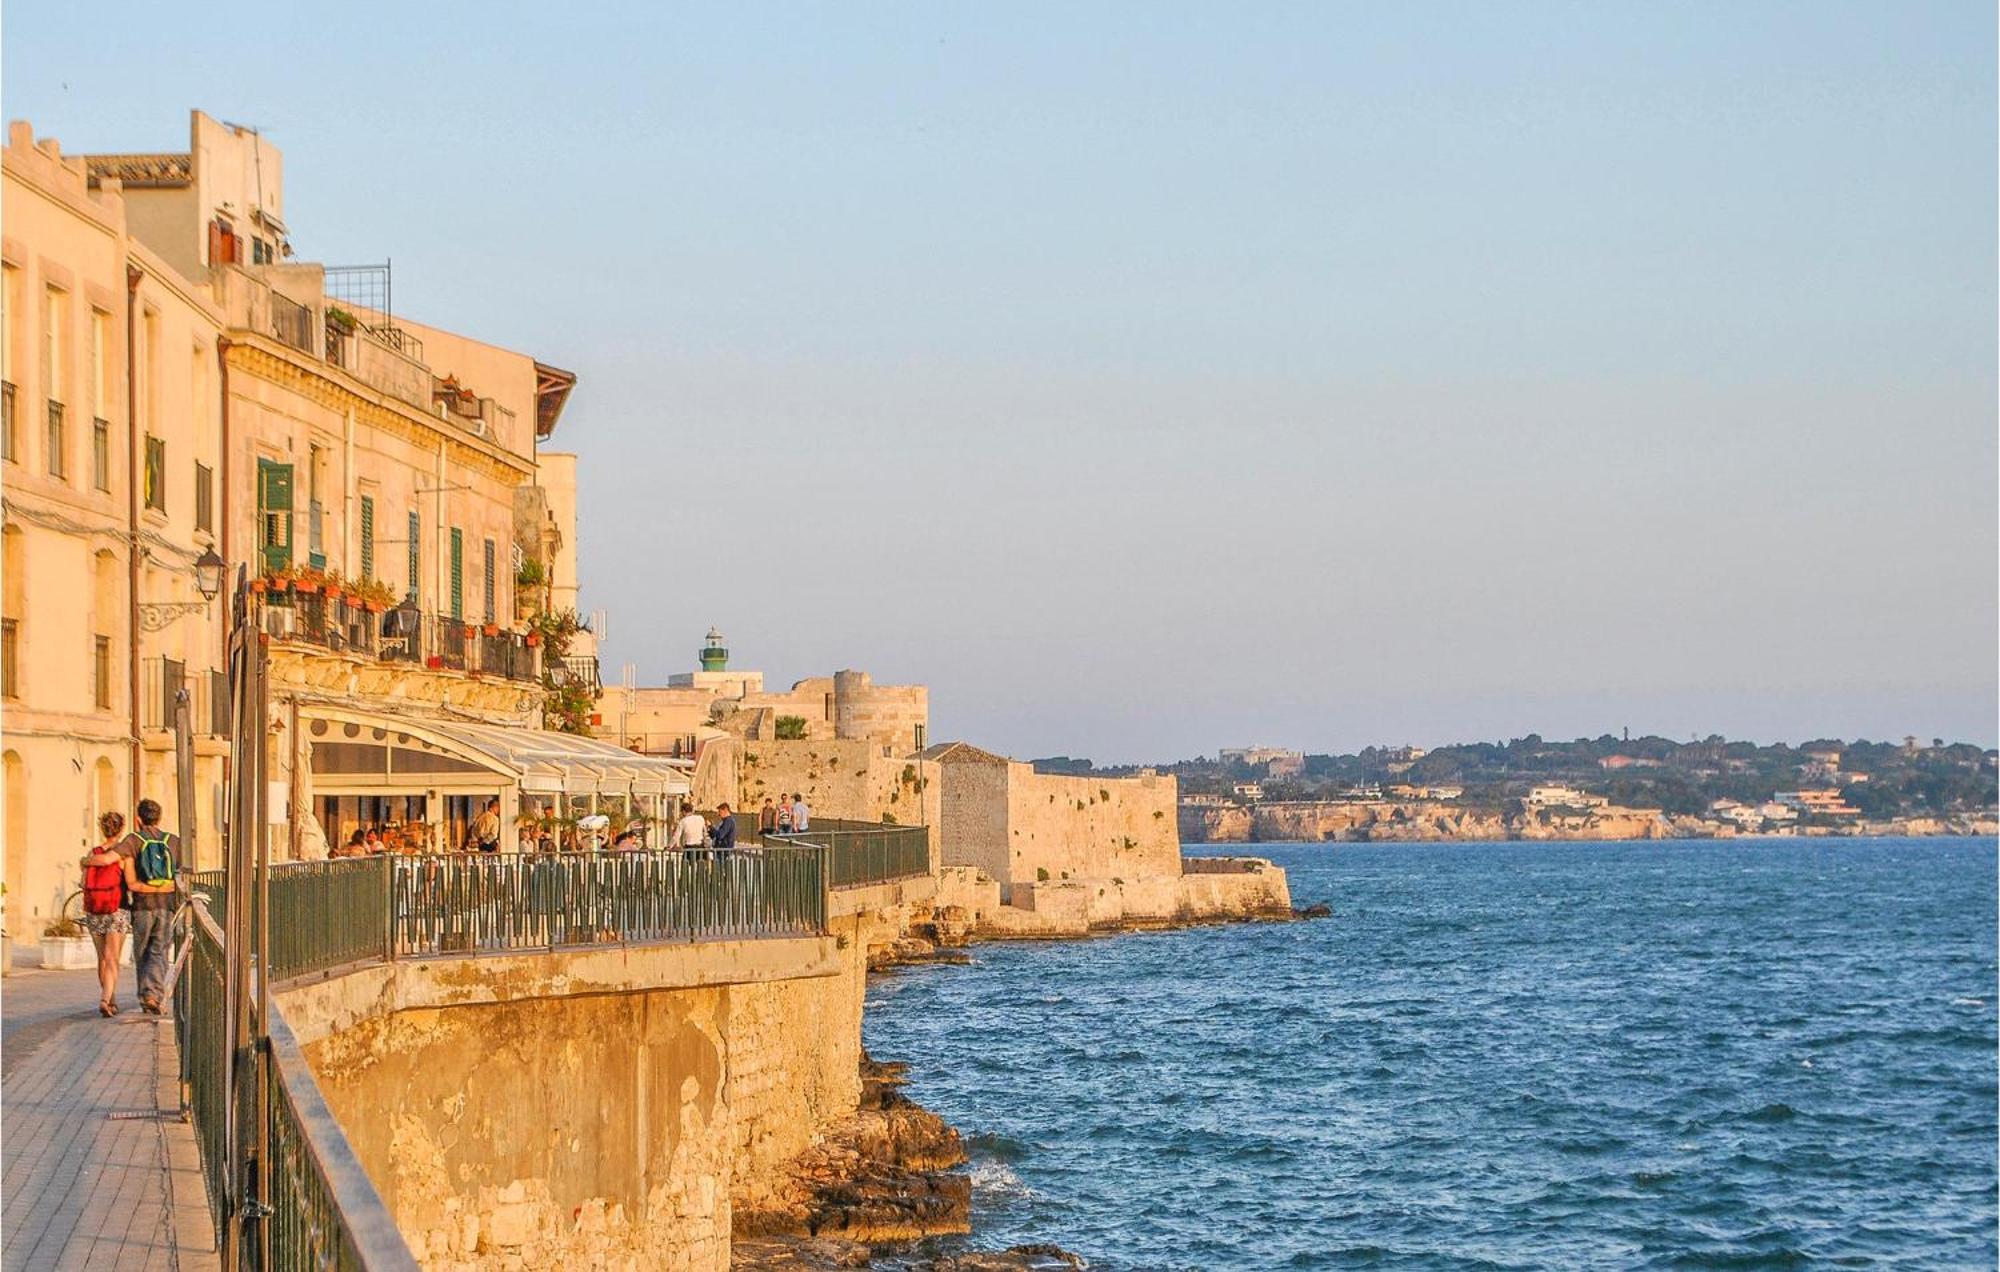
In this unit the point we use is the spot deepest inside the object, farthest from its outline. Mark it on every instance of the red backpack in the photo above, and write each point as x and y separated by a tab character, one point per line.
104	888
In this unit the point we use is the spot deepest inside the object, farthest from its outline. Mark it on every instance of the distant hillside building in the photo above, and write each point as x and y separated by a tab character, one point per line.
1557	795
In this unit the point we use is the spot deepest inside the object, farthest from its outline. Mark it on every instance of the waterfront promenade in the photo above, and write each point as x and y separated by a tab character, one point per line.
100	1170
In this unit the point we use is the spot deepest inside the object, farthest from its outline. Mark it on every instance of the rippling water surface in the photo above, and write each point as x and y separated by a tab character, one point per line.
1687	1054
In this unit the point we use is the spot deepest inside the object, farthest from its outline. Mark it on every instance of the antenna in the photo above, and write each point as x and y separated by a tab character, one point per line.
599	621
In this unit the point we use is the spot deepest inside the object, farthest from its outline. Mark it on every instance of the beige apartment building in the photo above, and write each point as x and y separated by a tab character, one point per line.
108	485
178	382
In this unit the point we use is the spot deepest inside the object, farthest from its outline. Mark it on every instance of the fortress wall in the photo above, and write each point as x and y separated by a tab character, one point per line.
1090	827
849	779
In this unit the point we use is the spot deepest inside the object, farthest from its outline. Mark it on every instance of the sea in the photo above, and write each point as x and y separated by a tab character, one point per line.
1718	1054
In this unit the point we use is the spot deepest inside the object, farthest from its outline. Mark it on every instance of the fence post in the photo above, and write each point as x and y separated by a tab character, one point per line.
388	908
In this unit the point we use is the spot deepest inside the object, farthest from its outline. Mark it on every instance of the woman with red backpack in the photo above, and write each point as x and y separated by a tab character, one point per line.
107	915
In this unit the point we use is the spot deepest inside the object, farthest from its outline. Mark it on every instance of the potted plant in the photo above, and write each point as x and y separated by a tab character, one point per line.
340	320
434	661
534	638
333	585
66	946
377	595
307	581
490	630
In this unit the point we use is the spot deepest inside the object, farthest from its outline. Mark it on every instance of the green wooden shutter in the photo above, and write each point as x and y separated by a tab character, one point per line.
416	553
490	599
367	537
274	513
457	573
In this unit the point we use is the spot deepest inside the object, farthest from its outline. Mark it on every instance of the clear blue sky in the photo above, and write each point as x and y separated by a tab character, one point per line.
1149	378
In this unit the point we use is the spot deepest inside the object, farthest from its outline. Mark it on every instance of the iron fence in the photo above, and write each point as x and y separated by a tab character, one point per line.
291	322
447	905
326	914
860	854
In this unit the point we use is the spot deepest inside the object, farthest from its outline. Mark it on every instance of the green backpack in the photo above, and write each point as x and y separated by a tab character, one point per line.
155	862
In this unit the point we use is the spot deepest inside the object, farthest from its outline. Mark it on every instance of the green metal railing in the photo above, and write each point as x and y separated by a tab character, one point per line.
446	905
323	1210
325	914
860	854
201	1029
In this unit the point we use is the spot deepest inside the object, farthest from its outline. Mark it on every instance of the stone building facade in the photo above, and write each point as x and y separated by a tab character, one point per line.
177	383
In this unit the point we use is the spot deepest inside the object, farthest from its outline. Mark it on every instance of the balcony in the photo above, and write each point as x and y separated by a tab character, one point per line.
160	683
338	624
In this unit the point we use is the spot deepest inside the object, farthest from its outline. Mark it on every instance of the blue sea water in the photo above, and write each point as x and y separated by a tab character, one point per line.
1720	1054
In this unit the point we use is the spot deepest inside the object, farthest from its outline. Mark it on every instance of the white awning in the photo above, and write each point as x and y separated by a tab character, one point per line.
537	761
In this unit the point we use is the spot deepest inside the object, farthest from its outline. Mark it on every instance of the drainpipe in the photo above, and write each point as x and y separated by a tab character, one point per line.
350	532
133	477
222	345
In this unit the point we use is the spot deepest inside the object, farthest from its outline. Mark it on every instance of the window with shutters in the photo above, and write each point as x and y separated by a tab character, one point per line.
274	513
10	658
204	497
415	553
457	573
100	672
367	537
491	579
315	510
156	473
100	454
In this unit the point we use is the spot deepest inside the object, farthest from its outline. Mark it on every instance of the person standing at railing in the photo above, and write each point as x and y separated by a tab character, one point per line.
801	815
486	828
722	836
767	818
690	832
784	814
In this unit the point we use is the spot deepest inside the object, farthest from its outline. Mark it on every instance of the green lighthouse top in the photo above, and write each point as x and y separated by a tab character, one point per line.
713	656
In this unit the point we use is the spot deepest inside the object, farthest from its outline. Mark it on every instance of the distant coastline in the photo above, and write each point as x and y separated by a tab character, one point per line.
1436	821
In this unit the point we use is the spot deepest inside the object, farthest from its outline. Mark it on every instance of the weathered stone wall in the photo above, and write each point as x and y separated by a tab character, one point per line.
849	778
1403	820
1089	828
972	816
595	1128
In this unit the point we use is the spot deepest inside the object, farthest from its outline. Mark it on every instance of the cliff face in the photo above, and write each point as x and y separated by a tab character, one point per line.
1403	822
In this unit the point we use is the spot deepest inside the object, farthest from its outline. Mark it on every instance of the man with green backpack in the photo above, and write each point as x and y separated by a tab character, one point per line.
155	855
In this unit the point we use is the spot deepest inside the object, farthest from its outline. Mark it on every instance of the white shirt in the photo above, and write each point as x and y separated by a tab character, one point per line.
691	832
800	814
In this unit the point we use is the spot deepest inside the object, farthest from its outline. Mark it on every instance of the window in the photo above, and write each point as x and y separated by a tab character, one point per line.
491	579
457	573
367	537
315	511
274	513
55	305
204	497
10	658
100	673
100	454
8	445
58	451
100	364
415	552
10	313
156	473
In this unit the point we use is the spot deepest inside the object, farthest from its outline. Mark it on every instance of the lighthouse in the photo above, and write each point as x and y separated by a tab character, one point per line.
714	655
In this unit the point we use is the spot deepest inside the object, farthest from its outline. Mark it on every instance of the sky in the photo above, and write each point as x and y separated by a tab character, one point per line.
1149	378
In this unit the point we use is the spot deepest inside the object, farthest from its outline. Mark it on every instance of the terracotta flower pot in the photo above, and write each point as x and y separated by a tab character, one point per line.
258	587
435	662
373	607
534	639
491	629
307	586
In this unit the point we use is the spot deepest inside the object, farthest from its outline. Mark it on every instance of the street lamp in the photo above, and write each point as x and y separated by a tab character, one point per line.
155	616
208	571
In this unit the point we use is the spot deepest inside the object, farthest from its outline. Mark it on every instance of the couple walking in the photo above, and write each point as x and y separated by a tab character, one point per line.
129	889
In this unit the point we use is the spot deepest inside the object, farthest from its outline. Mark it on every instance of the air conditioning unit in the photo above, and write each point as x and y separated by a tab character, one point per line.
279	621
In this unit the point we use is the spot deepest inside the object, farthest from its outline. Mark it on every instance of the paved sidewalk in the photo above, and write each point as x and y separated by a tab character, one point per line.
94	1148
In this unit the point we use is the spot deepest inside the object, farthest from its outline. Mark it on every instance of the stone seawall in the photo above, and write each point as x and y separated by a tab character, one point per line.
615	1108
